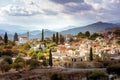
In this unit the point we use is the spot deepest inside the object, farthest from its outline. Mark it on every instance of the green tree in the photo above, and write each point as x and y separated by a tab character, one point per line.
4	66
51	45
19	59
114	69
7	52
26	46
18	66
42	34
50	58
94	36
45	63
8	60
19	63
6	38
15	37
61	39
41	56
33	63
57	38
97	75
87	34
80	34
71	39
30	52
56	76
91	54
34	57
53	38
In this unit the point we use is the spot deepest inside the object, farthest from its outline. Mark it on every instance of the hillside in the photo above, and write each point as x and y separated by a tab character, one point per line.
32	34
95	27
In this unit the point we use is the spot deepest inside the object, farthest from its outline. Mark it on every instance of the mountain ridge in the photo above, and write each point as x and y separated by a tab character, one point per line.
95	27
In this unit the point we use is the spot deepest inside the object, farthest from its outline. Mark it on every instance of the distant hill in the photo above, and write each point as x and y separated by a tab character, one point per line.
38	33
2	31
95	27
12	28
49	32
118	24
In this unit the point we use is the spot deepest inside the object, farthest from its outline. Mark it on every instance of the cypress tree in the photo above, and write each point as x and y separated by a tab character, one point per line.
50	58
61	39
42	34
53	38
6	38
91	54
15	37
57	38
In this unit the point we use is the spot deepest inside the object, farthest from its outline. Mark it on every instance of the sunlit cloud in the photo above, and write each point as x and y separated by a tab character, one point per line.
58	13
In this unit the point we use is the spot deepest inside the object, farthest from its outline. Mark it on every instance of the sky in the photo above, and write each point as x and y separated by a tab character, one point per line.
57	14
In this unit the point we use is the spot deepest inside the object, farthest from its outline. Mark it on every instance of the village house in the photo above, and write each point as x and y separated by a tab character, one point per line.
68	37
23	40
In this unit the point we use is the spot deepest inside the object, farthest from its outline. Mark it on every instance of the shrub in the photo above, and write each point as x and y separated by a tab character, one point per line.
44	63
51	45
8	47
105	63
19	59
33	63
94	36
7	52
15	52
30	52
34	57
113	69
18	66
26	46
56	76
41	56
19	63
4	66
97	75
8	60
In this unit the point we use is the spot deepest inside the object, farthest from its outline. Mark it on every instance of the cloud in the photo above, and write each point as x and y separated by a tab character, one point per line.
22	11
16	10
105	9
49	12
54	12
78	7
67	1
5	2
32	8
2	14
